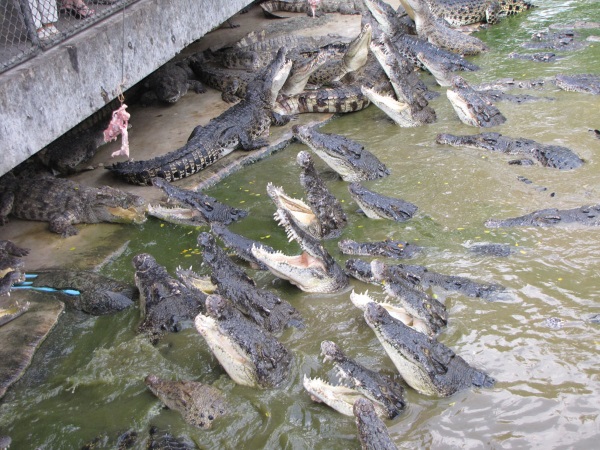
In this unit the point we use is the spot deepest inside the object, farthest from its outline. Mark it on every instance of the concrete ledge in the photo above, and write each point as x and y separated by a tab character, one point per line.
50	94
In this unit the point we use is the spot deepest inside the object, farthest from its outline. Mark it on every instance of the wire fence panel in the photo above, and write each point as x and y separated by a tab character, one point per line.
28	27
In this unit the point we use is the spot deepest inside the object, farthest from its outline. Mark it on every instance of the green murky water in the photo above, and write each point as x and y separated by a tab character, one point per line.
88	381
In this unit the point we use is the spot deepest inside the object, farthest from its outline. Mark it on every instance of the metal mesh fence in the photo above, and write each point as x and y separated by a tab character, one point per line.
28	27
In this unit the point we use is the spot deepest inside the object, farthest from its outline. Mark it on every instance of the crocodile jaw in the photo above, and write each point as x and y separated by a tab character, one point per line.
305	271
397	111
230	355
340	398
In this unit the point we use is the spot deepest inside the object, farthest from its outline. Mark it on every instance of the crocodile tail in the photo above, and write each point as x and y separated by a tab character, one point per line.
511	7
251	38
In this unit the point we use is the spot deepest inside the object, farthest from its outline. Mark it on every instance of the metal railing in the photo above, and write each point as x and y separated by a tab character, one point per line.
28	27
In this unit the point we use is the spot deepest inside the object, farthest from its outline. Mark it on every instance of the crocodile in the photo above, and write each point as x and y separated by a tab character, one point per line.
396	311
412	298
322	202
250	355
301	72
425	364
199	404
498	95
165	302
372	432
239	127
584	216
353	58
408	45
411	109
485	249
471	107
553	156
345	156
63	203
545	57
388	248
422	276
344	98
209	208
301	213
380	389
233	81
240	245
377	206
459	13
439	33
163	440
584	83
85	290
169	83
314	270
261	306
312	8
67	154
562	41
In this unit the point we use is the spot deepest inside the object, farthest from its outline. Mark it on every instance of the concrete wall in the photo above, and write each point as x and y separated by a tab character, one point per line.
43	98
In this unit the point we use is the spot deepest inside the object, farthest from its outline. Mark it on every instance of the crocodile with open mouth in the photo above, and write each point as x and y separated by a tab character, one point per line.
410	107
345	156
426	365
412	298
250	355
204	209
422	276
383	390
260	305
314	270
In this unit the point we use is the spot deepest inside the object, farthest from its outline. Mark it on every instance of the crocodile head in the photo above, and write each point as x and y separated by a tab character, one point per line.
302	215
386	393
372	431
199	404
426	365
399	112
377	206
176	214
250	355
358	50
470	107
114	205
267	84
385	15
345	156
312	271
339	397
301	72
